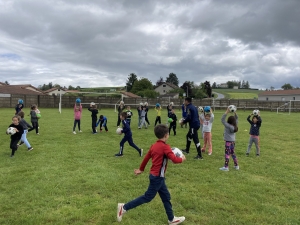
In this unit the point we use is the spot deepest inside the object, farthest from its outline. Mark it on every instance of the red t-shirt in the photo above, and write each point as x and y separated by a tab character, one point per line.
159	152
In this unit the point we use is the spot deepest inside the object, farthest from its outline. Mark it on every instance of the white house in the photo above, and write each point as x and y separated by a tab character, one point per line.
165	87
223	85
280	95
55	91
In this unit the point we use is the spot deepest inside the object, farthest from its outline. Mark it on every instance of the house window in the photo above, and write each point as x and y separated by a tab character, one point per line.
282	99
294	98
164	85
164	91
267	99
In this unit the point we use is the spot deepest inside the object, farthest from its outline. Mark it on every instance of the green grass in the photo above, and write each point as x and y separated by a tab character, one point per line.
75	179
238	93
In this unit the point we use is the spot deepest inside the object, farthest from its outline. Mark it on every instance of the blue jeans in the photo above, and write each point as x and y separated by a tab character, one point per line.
157	184
24	139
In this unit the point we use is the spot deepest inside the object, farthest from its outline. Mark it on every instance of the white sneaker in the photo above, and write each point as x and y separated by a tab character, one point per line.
236	167
224	169
209	153
74	132
177	220
80	131
120	211
141	154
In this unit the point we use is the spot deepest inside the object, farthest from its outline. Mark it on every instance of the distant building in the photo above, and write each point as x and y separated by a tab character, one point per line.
129	95
235	87
22	89
170	95
223	85
280	95
165	87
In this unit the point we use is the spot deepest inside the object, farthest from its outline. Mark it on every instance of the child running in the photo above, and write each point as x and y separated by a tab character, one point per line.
25	126
229	137
103	123
34	120
173	123
254	133
143	118
158	114
93	109
77	116
15	138
207	126
127	136
159	153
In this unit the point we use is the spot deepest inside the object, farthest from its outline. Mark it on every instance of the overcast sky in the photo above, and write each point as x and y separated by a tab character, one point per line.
99	43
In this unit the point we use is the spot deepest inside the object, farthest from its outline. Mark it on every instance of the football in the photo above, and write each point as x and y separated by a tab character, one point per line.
20	101
157	105
177	152
207	109
170	120
171	103
78	100
129	113
200	109
232	108
181	120
11	130
119	130
146	104
255	112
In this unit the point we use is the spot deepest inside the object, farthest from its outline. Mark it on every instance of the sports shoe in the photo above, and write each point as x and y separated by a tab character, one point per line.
118	155
257	154
236	167
74	132
21	143
29	149
80	131
120	211
38	133
198	157
141	152
209	153
185	151
177	220
247	154
224	169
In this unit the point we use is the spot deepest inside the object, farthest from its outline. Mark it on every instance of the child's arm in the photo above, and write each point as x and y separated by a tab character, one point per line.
212	117
248	119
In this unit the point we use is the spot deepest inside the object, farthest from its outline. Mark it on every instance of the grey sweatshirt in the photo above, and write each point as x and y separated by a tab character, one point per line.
229	134
24	124
207	124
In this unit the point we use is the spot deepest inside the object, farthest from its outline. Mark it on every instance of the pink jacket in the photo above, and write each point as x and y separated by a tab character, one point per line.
77	114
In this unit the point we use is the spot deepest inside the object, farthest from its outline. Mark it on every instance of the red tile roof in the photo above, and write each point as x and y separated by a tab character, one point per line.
19	89
281	92
129	94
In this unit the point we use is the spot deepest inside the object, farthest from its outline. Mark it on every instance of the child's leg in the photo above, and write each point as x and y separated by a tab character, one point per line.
227	153
119	120
232	152
159	120
170	127
24	139
122	145
106	129
37	127
205	140
94	125
130	142
79	125
166	200
13	146
74	126
256	142
209	141
154	186
101	124
156	120
146	119
174	129
249	145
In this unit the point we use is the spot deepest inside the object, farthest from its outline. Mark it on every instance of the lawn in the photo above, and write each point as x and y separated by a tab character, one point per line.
238	93
75	179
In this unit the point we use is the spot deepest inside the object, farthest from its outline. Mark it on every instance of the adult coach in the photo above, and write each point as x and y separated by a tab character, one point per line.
192	118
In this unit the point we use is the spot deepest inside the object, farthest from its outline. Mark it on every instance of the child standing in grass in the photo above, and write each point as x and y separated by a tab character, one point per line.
254	133
229	137
143	118
93	109
34	120
25	126
15	138
77	116
173	123
129	115
207	126
127	136
158	114
103	123
159	153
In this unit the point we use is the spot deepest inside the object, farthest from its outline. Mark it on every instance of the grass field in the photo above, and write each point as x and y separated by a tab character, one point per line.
238	93
75	179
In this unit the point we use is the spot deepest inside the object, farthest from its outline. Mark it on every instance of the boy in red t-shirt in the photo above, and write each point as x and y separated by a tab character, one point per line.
160	153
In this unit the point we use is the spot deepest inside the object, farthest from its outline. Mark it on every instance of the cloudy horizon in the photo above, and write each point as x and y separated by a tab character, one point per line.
99	43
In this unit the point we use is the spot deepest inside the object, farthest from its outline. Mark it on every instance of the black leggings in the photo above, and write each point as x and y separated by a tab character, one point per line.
157	120
14	145
75	123
35	125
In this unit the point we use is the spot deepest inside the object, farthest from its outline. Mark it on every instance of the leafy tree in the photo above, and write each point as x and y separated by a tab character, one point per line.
131	79
78	88
287	87
186	86
148	93
214	85
71	87
57	86
160	81
50	85
141	85
247	85
172	78
199	93
6	82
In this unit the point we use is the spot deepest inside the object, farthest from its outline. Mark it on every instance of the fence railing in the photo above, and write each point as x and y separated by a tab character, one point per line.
48	101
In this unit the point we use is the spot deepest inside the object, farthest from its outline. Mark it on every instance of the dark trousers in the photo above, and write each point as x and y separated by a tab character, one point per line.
14	145
146	119
104	125
128	121
157	120
172	125
193	135
75	123
94	121
119	120
156	185
130	142
35	125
